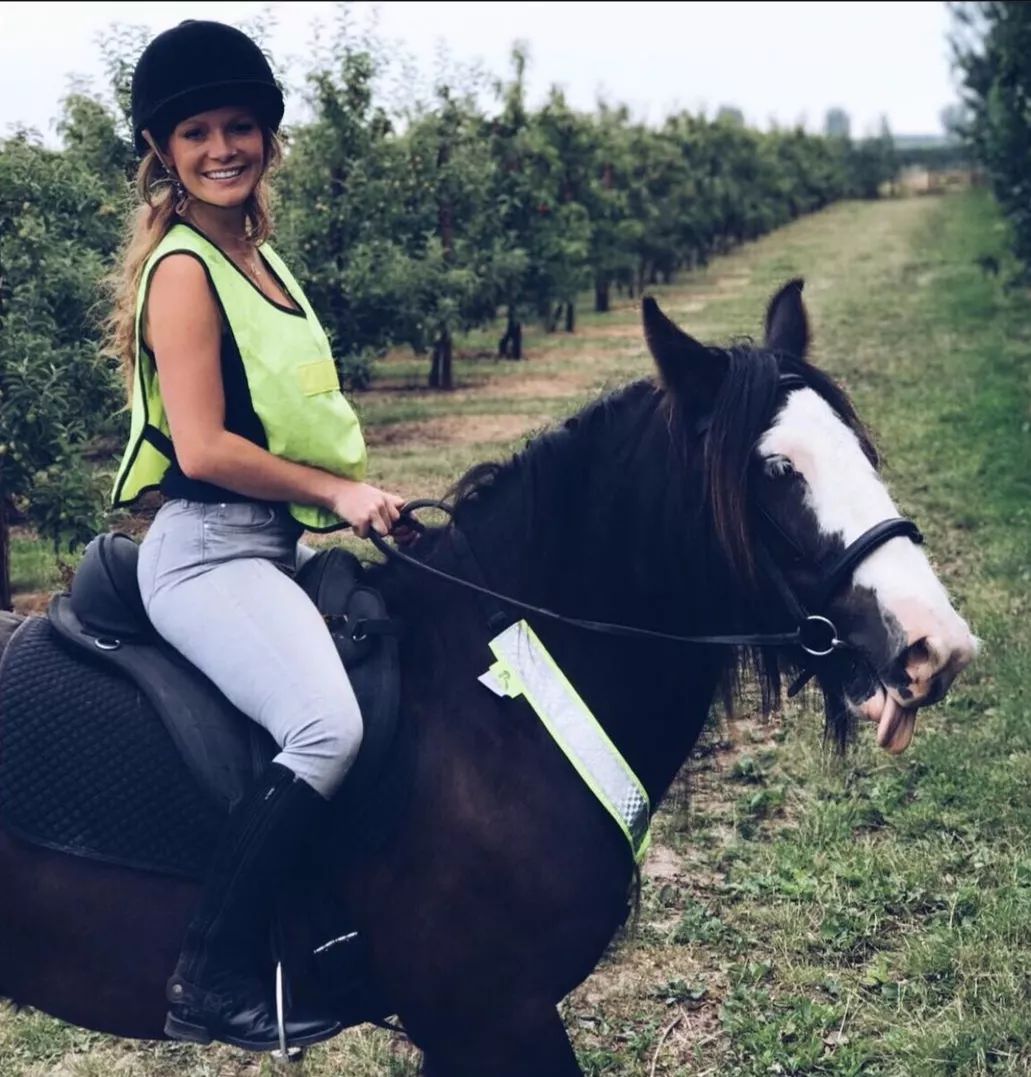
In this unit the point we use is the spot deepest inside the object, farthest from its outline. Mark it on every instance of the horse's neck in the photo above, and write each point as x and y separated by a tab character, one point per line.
652	698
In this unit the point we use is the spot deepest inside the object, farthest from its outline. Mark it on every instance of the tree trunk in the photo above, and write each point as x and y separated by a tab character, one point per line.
570	317
601	298
511	344
6	598
440	368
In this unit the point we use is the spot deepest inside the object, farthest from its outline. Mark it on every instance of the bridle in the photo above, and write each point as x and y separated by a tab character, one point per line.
814	632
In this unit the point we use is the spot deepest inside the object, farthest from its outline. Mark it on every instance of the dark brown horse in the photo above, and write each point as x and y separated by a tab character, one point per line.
728	496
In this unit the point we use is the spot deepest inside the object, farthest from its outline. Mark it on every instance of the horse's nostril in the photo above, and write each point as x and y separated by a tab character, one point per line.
918	654
929	670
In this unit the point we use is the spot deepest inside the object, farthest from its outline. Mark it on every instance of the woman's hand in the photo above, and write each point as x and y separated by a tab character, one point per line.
365	507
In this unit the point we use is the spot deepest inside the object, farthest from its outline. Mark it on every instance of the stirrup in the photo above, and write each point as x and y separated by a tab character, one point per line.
285	1054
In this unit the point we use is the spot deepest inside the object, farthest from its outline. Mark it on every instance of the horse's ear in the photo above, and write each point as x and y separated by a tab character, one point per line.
787	326
689	369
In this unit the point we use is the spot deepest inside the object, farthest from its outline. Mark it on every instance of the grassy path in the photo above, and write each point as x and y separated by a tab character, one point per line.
799	916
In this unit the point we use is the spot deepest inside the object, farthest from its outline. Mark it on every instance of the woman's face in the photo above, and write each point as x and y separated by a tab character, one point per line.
219	155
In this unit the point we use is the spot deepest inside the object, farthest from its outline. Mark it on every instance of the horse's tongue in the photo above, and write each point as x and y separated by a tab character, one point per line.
895	729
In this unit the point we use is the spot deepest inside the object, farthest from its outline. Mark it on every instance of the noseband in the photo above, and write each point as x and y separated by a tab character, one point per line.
814	633
817	634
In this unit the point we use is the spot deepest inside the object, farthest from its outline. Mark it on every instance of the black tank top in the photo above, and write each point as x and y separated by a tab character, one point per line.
240	419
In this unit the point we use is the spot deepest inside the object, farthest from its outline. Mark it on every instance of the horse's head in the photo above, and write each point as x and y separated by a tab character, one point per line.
792	484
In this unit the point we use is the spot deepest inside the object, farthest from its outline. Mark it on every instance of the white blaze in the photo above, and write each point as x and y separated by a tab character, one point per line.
847	496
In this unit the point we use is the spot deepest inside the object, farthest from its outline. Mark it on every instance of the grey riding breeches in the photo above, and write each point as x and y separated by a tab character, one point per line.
216	582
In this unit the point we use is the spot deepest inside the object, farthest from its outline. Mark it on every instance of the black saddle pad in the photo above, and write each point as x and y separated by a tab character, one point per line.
88	767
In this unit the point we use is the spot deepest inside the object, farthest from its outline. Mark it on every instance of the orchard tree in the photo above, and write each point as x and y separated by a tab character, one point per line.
658	176
614	230
592	167
991	44
338	196
56	392
575	146
730	114
449	227
89	131
553	234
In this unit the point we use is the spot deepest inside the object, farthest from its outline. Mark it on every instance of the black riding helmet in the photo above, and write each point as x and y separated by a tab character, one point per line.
195	66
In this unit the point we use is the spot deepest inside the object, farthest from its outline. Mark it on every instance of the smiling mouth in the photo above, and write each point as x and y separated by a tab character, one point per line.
225	173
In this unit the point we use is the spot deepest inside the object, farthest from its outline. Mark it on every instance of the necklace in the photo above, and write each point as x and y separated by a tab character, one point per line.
254	269
251	265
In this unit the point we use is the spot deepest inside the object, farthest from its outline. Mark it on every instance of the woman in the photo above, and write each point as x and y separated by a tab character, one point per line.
238	419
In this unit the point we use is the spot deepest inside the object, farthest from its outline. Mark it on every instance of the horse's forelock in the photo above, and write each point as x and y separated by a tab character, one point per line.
741	412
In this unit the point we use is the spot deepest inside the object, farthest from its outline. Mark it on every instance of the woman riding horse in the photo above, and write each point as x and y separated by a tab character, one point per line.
239	421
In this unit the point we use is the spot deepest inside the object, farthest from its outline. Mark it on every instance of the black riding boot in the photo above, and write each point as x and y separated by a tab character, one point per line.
215	991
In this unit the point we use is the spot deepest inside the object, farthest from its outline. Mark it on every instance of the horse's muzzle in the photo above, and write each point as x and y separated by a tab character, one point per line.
929	666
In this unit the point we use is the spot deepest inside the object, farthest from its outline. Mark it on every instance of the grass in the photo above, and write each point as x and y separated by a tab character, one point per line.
800	915
33	567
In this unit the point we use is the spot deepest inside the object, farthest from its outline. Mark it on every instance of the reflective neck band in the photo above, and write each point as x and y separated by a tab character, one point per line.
524	668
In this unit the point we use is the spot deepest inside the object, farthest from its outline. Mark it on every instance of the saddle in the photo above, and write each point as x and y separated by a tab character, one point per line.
101	617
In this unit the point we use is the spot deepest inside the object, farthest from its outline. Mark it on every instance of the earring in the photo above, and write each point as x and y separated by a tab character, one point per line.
181	196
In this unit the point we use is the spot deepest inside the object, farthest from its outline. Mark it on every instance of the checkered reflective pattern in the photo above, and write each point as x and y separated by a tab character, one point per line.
633	809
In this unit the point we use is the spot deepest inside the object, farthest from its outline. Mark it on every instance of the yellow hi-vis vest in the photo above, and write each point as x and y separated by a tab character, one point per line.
291	377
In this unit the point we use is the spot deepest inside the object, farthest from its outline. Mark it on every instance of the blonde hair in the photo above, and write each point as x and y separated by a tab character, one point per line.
148	224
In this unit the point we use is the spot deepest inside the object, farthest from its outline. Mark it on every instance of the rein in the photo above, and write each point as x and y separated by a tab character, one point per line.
815	634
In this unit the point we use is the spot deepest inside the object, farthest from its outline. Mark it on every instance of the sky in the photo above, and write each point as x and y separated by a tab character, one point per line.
778	62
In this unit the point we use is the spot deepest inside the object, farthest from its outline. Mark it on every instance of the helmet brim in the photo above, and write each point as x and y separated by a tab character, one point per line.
266	100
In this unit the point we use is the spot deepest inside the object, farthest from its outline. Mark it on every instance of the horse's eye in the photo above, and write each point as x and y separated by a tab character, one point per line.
776	467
